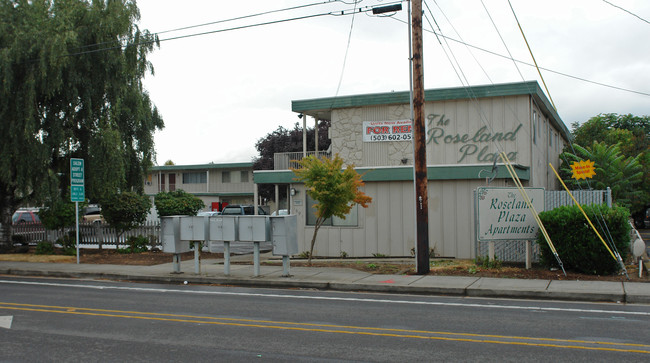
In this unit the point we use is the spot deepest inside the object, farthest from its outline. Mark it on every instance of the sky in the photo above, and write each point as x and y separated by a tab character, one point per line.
219	93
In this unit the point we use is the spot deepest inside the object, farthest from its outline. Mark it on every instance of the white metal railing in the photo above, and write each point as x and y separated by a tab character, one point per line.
288	160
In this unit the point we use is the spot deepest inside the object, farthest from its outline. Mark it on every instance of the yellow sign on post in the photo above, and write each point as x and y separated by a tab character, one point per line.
583	169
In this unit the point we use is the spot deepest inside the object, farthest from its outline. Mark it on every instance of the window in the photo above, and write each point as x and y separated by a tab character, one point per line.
244	176
535	127
351	219
195	178
225	177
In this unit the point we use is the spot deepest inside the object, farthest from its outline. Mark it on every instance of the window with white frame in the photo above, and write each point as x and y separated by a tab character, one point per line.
195	178
225	177
244	176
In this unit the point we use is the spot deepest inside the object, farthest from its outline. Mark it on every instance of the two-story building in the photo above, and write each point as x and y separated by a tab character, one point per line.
467	128
216	184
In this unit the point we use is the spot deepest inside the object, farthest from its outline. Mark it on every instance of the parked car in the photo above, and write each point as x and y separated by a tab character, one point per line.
240	210
208	213
25	216
281	212
93	213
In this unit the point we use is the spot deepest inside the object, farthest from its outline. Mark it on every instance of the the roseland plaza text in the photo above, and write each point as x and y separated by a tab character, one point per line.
469	144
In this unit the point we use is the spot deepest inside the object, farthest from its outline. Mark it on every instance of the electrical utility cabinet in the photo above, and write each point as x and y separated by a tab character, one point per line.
284	235
221	229
253	228
194	228
170	235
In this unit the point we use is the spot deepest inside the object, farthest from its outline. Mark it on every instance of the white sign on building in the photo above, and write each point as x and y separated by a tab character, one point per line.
399	130
503	214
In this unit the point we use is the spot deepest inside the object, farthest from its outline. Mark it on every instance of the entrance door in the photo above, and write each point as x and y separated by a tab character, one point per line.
172	182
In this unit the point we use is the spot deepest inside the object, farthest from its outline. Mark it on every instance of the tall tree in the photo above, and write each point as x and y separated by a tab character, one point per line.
334	188
71	86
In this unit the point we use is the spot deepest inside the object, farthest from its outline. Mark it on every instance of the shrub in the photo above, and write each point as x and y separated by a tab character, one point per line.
577	244
18	239
44	248
68	243
136	244
177	202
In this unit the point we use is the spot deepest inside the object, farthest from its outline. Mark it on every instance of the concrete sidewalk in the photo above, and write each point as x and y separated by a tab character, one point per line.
341	279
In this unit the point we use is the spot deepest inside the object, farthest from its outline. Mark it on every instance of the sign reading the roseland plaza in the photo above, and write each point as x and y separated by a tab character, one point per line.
478	145
503	214
399	130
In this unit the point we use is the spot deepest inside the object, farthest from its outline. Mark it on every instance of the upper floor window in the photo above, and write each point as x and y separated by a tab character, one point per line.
195	178
225	177
244	176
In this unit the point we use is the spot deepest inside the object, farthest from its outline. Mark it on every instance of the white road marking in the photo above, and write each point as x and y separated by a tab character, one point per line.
5	321
330	298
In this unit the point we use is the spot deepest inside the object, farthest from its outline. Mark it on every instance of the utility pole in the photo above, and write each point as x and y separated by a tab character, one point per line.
419	145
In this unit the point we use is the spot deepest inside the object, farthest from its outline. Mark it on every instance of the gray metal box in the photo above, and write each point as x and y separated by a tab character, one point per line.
170	235
284	235
253	228
194	228
223	228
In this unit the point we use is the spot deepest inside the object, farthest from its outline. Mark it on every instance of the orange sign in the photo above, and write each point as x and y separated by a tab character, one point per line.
583	169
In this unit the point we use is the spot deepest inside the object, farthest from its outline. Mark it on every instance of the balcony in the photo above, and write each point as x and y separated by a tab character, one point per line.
285	161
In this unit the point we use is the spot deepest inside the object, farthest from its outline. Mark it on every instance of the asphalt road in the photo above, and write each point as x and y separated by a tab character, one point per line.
72	320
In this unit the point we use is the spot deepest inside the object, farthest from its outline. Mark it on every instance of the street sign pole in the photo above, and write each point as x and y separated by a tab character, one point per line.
77	191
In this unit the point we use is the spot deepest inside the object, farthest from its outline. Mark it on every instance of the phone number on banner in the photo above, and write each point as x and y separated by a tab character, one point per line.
393	137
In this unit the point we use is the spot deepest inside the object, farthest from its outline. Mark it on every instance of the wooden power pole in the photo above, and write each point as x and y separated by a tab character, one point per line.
419	145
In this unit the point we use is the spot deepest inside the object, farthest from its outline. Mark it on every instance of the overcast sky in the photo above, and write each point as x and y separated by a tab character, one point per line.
221	92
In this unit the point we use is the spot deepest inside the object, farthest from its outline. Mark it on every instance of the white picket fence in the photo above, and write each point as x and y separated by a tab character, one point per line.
96	234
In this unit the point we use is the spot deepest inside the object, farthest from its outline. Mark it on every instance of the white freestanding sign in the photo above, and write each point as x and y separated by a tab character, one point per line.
504	215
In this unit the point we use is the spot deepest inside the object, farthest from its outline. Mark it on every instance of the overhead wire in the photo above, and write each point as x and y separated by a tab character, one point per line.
531	55
532	65
600	219
226	20
627	11
343	12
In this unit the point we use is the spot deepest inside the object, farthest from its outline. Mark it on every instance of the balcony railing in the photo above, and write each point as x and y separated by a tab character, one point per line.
285	161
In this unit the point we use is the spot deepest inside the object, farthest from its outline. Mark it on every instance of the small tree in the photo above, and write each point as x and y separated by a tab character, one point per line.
125	211
177	202
58	214
334	189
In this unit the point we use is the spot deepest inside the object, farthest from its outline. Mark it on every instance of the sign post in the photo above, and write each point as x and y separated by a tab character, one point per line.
77	191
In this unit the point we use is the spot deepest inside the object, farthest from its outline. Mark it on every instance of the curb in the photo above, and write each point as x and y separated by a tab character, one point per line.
629	293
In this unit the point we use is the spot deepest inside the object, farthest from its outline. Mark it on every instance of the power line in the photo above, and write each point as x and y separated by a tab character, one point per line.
225	20
332	13
531	65
627	11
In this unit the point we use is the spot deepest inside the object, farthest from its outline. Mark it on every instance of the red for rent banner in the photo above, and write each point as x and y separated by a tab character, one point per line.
399	130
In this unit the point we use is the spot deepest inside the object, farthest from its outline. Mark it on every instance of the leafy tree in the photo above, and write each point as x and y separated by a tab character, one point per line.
334	189
177	202
622	174
284	140
58	214
632	134
611	128
125	211
71	86
169	162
